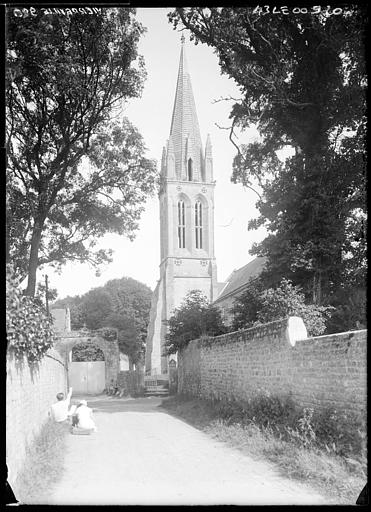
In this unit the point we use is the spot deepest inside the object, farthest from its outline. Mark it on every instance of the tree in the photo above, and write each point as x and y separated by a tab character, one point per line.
277	303
195	317
294	73
122	304
73	174
246	307
129	336
96	306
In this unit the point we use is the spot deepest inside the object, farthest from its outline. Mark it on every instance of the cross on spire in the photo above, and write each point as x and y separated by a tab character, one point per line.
182	39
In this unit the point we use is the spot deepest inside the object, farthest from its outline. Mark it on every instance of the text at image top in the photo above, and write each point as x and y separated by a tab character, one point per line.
33	12
284	9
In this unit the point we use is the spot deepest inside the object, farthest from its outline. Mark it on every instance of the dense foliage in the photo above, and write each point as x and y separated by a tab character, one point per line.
74	173
87	352
303	81
120	307
333	431
246	306
195	317
29	330
259	306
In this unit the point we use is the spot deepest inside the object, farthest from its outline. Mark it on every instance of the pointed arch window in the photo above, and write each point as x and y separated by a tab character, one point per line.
190	169
198	224
181	225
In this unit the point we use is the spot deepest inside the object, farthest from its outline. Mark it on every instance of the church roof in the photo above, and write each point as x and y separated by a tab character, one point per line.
184	121
239	278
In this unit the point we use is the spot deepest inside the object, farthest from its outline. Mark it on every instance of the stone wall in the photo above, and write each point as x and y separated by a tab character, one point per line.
30	391
279	359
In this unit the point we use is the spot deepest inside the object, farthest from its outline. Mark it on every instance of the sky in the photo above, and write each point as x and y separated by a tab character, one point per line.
151	114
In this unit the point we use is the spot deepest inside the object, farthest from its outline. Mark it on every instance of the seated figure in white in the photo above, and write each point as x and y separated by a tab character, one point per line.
83	414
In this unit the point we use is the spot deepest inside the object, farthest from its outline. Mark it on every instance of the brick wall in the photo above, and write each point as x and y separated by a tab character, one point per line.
320	371
331	370
29	394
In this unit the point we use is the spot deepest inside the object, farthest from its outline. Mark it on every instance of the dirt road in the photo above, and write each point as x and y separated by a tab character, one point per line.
141	455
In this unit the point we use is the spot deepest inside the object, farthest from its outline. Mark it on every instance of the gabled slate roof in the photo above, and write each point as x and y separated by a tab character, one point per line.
239	278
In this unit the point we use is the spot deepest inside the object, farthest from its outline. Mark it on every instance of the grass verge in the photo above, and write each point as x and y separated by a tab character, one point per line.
339	479
43	464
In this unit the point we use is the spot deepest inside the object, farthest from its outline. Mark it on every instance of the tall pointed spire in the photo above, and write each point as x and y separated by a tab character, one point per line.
184	123
186	199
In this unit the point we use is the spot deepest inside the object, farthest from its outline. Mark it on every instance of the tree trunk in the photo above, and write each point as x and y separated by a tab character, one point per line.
34	259
317	288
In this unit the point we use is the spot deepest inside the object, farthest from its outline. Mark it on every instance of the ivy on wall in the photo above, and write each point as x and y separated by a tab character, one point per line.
87	352
29	329
107	333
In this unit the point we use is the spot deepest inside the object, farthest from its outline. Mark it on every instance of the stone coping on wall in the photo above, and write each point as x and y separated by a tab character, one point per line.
293	328
73	334
79	334
337	334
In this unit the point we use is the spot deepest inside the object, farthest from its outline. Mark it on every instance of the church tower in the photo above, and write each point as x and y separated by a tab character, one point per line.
186	220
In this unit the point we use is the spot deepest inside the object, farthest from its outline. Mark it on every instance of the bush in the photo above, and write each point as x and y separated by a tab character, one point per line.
259	305
288	300
264	410
304	432
338	433
341	433
29	329
272	410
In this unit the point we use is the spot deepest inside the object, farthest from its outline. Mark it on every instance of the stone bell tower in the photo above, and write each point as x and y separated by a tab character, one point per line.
186	219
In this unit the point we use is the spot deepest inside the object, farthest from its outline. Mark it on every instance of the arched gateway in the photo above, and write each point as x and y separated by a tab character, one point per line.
90	377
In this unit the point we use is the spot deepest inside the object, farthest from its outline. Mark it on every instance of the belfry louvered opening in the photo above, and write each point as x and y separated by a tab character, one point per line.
198	224
181	225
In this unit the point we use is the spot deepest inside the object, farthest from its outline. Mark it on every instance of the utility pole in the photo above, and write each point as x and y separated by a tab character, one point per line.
46	295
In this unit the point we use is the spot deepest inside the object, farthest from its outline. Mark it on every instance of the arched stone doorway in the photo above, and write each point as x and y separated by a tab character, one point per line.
109	367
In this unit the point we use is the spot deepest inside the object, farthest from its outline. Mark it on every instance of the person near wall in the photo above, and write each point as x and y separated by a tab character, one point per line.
60	410
83	415
113	388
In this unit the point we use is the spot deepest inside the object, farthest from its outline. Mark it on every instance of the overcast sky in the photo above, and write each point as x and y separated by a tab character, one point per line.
234	205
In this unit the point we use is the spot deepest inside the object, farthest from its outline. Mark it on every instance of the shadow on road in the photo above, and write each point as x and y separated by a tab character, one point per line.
104	403
151	404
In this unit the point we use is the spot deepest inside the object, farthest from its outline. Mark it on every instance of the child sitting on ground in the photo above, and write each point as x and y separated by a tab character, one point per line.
82	418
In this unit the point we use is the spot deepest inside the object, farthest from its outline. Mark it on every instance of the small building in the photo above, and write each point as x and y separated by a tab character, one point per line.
62	320
236	284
